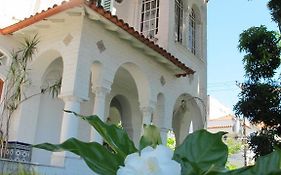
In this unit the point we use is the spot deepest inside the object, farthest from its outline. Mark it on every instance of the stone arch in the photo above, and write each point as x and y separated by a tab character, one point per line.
47	118
186	114
141	80
40	64
131	83
120	111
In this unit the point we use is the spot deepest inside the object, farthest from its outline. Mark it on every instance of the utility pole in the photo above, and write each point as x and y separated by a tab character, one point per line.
244	137
245	141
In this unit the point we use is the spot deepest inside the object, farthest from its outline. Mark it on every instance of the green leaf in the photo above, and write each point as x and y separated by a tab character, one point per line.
269	163
202	152
97	157
265	165
117	139
151	137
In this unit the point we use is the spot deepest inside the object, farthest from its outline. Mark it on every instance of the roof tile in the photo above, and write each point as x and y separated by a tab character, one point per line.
114	19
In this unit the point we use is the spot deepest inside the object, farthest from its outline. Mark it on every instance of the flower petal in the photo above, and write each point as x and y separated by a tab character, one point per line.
171	167
132	159
151	162
126	171
163	153
147	152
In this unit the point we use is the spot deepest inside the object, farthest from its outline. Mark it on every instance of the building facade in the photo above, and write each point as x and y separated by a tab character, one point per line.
130	62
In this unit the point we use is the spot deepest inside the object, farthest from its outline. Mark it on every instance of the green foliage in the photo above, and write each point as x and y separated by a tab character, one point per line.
117	139
259	99
97	157
264	141
230	166
262	52
151	137
22	171
265	165
275	10
171	141
16	82
201	153
234	146
260	102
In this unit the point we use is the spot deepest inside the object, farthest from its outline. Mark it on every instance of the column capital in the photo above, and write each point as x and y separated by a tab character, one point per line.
101	91
164	129
146	109
146	114
69	98
148	106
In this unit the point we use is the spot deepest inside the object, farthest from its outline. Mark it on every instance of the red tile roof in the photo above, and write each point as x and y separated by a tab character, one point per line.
114	19
226	117
220	127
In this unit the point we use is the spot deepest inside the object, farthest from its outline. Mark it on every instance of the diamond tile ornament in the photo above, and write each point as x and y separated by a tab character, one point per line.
101	46
162	81
67	40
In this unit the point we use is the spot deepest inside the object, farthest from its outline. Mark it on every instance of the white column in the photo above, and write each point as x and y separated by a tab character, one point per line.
70	124
146	115
99	109
164	133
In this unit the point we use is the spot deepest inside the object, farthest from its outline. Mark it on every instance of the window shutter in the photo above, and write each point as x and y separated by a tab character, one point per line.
107	4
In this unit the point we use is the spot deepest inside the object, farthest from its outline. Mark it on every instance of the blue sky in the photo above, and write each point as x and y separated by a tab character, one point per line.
226	20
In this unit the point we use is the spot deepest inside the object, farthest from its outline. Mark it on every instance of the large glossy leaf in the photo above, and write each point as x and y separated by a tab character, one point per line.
115	137
96	156
202	152
228	172
265	165
151	137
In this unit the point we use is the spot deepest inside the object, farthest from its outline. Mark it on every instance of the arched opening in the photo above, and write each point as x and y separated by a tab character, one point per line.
49	114
124	103
186	117
120	114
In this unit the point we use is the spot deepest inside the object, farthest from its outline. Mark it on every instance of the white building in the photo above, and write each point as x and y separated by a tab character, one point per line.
146	64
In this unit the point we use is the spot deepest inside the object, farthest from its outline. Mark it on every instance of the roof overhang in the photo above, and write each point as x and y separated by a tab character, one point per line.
112	23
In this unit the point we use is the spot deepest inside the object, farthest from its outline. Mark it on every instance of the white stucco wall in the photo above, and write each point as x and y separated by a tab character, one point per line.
86	68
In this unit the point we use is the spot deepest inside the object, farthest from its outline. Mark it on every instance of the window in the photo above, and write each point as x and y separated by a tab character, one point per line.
192	32
107	4
149	18
178	20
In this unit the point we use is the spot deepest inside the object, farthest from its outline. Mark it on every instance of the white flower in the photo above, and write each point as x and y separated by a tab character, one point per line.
151	162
